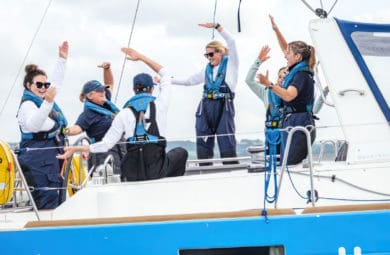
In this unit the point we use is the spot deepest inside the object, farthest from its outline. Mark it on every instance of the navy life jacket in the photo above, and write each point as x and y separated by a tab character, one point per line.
217	89
55	114
145	155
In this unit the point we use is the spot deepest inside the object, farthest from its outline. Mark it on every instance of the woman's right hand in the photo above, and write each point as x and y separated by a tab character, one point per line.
69	150
50	93
63	50
273	24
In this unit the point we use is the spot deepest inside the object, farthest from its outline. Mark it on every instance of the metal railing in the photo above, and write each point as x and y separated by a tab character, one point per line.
310	160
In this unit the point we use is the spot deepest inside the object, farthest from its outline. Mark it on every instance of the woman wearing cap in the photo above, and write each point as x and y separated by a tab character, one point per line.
41	123
143	122
97	117
215	113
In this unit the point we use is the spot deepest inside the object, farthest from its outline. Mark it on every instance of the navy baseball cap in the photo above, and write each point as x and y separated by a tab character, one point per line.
92	86
143	79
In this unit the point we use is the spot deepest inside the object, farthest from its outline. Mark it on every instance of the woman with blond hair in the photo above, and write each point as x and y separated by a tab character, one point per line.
215	113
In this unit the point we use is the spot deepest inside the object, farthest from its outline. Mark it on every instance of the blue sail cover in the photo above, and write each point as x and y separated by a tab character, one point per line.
370	46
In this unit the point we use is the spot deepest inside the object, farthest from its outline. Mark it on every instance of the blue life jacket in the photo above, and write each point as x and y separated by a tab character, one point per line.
55	114
138	104
301	66
110	113
274	111
217	89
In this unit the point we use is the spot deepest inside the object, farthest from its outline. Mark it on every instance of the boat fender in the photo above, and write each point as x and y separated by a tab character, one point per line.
7	173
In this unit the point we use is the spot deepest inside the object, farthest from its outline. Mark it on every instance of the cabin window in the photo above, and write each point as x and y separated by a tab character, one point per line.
375	50
256	250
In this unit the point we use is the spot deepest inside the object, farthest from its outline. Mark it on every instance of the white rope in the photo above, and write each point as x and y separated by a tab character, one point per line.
128	45
25	57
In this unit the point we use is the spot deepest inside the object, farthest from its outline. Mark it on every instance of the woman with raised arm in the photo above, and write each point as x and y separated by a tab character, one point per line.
215	113
97	116
142	122
42	125
297	93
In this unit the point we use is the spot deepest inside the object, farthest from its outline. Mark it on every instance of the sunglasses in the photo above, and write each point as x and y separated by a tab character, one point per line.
42	84
209	55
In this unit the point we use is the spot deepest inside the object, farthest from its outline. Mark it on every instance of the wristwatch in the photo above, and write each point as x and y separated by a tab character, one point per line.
217	26
271	86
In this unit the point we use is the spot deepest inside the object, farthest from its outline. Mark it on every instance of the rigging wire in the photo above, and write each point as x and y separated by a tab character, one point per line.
214	15
331	8
320	12
238	17
308	6
25	57
128	45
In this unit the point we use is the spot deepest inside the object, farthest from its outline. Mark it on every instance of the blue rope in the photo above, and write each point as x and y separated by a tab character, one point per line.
273	138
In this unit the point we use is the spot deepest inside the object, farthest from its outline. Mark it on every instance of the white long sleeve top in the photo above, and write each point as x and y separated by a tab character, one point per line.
32	119
231	77
124	122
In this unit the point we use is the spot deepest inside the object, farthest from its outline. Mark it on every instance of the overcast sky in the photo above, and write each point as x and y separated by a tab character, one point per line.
166	31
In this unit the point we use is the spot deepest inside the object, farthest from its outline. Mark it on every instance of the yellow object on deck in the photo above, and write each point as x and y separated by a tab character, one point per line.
74	177
7	173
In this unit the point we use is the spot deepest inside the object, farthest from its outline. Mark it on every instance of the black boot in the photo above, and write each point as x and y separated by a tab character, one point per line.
204	154
229	154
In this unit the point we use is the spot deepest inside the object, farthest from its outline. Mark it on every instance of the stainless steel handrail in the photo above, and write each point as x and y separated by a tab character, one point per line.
24	183
310	158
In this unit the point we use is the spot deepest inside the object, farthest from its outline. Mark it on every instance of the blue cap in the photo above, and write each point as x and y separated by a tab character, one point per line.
92	86
143	79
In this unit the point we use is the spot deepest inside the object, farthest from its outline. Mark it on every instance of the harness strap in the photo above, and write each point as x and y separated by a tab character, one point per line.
218	95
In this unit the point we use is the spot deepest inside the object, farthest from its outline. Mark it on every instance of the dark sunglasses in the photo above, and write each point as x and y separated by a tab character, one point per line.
209	55
42	84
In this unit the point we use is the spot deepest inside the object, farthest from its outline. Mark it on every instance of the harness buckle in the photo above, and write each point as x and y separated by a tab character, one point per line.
272	124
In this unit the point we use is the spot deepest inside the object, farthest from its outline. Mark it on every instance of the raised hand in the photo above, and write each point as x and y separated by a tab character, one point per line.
273	24
208	25
131	54
105	65
263	54
63	50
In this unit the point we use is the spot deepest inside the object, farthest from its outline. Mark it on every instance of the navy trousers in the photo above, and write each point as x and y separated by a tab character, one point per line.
298	149
42	171
215	117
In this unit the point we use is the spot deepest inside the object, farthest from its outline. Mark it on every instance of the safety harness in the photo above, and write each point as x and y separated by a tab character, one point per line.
138	105
217	89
